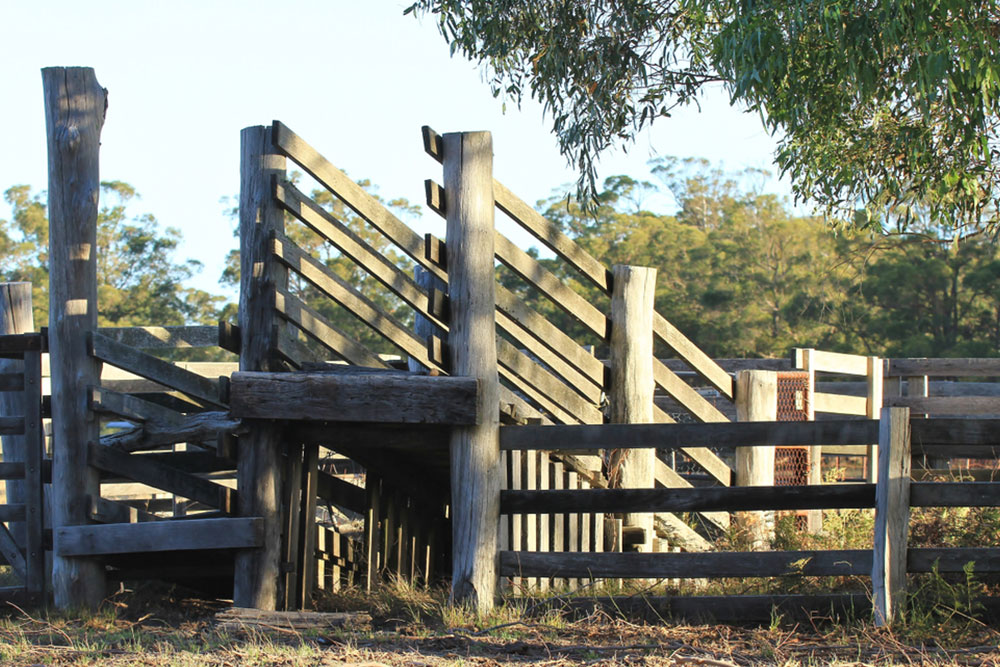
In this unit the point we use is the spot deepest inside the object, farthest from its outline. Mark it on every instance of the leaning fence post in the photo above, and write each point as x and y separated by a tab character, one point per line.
475	450
75	105
892	515
756	401
258	466
15	318
630	390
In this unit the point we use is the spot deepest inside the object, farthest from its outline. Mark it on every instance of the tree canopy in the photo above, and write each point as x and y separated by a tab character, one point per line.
888	106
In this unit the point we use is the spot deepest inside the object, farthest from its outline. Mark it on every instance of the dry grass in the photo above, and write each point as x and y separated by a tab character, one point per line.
162	627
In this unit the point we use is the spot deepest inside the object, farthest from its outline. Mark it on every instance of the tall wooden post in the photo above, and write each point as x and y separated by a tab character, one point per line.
258	465
756	400
15	318
814	518
630	391
875	381
892	515
475	450
75	106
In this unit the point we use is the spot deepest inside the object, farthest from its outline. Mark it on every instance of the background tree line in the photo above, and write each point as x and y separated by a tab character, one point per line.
738	271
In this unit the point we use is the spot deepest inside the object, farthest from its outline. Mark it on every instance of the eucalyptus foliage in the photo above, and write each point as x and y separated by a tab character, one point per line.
887	106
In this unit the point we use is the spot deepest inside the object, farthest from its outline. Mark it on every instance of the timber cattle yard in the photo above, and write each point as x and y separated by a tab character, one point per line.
513	481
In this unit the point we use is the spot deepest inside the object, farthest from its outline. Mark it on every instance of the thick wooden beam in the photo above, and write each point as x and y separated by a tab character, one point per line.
591	437
892	516
717	499
756	396
153	536
75	107
955	494
168	338
631	383
475	452
388	398
259	470
685	565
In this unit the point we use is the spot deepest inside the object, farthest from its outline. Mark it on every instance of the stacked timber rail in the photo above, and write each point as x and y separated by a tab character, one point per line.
25	466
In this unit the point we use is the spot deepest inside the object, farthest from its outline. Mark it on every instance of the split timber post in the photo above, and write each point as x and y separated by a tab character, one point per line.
475	450
259	461
15	318
630	390
75	106
892	515
756	401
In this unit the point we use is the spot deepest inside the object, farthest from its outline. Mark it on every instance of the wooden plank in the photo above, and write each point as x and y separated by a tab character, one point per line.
11	553
834	362
163	338
955	431
550	235
75	109
841	404
700	362
317	326
546	383
948	405
580	383
557	413
36	576
350	298
550	335
256	622
475	454
155	369
588	437
131	407
955	494
108	511
12	512
356	248
687	565
718	499
968	367
15	344
11	425
146	470
892	516
666	477
359	201
531	271
685	394
343	494
389	398
953	560
11	381
11	470
195	428
154	536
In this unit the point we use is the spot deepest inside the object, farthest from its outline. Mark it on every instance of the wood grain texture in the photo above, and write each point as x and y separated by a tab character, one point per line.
718	499
955	494
15	318
388	398
75	107
588	437
631	383
969	367
163	338
259	472
319	328
153	536
475	454
686	565
892	516
955	432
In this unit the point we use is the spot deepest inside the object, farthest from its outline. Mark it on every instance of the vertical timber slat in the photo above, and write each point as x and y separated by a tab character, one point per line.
892	516
34	498
15	318
630	392
75	107
475	450
258	468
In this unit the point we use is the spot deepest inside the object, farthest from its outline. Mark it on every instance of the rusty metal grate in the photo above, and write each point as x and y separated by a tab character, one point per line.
791	466
793	396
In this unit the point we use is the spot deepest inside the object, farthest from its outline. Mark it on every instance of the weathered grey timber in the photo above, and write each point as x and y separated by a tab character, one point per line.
955	494
103	510
237	619
589	437
198	427
259	473
686	565
75	106
152	536
424	326
167	338
986	559
130	407
475	452
631	384
756	394
155	369
719	499
387	398
15	318
970	367
892	516
311	322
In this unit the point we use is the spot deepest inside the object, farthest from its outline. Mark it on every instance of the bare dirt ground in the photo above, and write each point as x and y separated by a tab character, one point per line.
168	629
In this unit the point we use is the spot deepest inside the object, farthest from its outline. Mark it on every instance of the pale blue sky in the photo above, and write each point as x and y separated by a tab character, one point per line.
355	79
